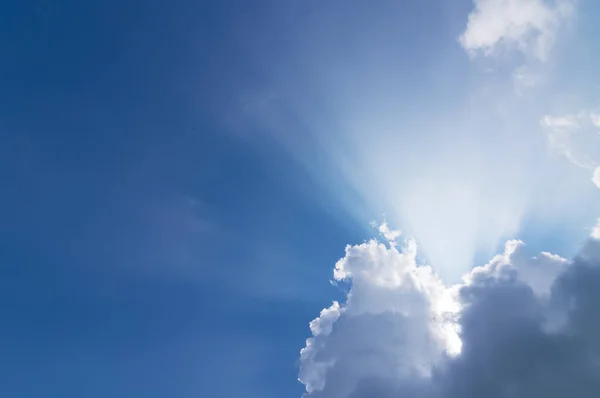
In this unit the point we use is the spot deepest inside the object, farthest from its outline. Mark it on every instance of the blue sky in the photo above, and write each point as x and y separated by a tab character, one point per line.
145	252
180	178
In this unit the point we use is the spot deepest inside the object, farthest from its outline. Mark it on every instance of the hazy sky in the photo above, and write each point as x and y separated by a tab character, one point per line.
190	185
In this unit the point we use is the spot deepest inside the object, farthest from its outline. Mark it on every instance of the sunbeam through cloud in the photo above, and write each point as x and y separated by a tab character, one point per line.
437	325
460	171
286	198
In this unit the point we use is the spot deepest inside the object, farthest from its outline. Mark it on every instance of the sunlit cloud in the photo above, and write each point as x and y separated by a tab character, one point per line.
518	323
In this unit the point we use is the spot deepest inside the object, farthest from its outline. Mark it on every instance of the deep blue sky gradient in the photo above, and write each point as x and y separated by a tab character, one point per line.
144	250
159	235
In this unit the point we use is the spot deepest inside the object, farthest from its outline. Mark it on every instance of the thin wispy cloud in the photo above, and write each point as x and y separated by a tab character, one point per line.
576	136
525	79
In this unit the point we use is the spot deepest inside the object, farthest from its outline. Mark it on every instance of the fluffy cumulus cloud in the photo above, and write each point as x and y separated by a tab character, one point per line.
529	26
519	326
397	322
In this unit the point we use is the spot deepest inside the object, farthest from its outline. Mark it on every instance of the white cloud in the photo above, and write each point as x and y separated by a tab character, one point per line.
537	272
389	234
595	117
398	332
529	26
396	322
596	176
596	231
323	324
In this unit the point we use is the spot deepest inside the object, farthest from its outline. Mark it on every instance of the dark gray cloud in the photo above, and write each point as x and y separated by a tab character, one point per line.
510	349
